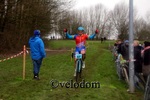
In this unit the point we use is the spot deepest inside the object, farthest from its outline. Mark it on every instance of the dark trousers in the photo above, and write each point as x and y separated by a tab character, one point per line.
36	66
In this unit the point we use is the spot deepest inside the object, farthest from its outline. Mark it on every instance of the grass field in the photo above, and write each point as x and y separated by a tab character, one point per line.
57	65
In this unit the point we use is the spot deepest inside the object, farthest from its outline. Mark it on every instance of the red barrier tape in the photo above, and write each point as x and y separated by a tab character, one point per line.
14	56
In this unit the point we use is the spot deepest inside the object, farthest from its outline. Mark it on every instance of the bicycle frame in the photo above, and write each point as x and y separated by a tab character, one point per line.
78	62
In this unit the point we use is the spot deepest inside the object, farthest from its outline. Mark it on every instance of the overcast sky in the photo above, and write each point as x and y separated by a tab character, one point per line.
142	5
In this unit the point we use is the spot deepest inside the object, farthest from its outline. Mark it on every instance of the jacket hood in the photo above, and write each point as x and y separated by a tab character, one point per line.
34	38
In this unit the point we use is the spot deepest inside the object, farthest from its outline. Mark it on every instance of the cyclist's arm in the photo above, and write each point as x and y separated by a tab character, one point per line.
91	36
69	36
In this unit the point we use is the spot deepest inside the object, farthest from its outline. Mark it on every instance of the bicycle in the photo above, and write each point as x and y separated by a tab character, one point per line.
139	81
124	71
78	64
138	77
147	89
122	68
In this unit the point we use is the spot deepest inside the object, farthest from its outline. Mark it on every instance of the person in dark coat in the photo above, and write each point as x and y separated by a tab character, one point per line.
125	50
146	59
137	57
102	39
119	44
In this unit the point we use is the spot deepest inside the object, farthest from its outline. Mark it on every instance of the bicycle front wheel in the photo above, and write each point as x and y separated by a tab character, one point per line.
78	69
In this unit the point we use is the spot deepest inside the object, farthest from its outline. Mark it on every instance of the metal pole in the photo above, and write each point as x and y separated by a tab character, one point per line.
131	48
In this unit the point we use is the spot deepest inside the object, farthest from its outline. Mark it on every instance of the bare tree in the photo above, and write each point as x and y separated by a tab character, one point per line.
92	18
120	18
142	28
18	19
102	19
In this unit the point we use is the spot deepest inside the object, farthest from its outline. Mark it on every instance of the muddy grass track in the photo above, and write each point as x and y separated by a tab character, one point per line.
57	65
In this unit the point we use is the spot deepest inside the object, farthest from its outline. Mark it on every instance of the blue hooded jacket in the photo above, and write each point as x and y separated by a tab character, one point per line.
37	48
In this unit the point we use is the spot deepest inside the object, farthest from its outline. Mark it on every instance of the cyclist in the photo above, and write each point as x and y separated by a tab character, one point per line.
80	40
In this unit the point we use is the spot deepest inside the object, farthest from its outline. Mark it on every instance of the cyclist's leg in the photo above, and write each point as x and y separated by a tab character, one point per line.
83	51
83	54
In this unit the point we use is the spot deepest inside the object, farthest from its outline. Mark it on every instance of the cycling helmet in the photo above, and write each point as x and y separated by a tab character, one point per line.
37	32
80	29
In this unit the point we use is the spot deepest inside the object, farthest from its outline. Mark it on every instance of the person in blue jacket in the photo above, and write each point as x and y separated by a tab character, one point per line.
37	52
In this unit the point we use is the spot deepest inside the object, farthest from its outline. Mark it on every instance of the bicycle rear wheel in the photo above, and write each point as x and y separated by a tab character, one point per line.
125	74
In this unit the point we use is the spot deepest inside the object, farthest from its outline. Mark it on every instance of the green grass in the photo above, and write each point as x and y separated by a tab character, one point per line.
60	44
99	67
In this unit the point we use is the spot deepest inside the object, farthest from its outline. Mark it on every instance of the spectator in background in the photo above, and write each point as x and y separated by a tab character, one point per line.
137	56
119	44
116	43
37	52
105	38
125	50
102	39
146	59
